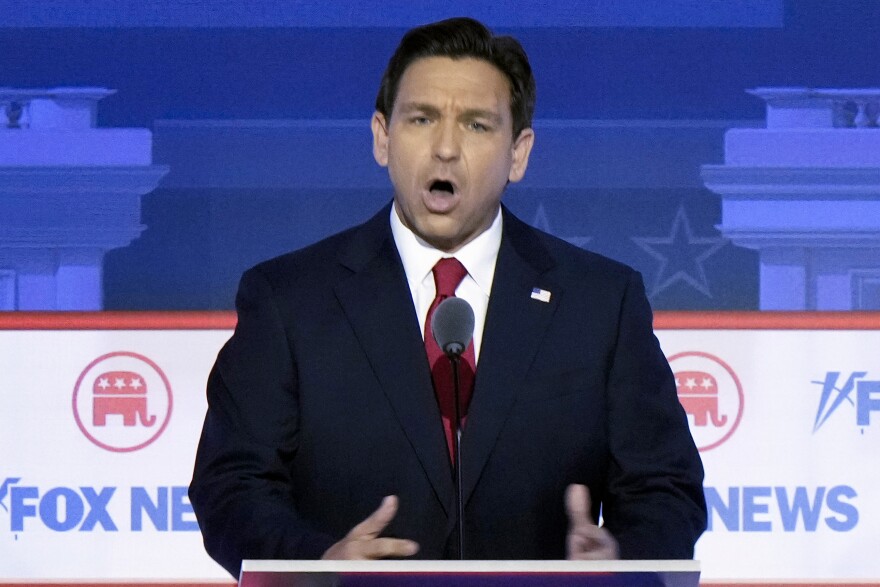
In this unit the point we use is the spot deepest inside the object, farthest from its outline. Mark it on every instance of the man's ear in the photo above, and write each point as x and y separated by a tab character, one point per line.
522	147
380	138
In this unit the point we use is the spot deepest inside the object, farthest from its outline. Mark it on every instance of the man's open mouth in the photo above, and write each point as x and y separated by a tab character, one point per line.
441	186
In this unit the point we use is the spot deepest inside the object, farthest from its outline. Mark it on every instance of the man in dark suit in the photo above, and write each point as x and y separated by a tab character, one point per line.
322	405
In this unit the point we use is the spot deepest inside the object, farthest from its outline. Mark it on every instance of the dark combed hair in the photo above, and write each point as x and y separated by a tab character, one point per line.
459	38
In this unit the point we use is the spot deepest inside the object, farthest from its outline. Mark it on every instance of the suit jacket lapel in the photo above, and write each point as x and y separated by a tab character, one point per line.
377	302
515	324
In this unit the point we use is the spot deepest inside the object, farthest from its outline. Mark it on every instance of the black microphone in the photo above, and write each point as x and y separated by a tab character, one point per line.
453	328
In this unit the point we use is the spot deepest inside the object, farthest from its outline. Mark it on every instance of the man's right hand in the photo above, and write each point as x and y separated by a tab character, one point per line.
363	542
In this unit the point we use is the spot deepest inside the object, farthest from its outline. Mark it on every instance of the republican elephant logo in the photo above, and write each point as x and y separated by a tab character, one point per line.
698	394
120	393
122	401
711	395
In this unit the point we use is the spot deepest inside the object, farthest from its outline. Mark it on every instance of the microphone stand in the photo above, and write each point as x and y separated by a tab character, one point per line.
453	333
456	449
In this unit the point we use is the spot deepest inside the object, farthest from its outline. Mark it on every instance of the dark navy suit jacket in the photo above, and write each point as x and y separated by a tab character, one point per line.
321	403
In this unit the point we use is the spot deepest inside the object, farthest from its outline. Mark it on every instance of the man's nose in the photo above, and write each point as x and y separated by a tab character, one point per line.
447	142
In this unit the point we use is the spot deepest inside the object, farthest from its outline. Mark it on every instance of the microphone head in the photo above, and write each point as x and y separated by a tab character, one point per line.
453	325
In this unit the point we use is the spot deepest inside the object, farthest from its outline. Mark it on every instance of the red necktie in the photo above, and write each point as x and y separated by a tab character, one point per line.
448	274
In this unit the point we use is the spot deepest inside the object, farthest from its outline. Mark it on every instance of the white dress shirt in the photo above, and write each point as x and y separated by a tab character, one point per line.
477	256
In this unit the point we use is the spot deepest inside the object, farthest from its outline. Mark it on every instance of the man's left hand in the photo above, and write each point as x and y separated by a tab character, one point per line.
585	540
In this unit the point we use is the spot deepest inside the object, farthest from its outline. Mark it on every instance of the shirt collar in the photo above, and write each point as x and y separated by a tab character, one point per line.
419	257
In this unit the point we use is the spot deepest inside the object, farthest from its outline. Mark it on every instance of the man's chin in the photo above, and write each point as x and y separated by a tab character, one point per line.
447	241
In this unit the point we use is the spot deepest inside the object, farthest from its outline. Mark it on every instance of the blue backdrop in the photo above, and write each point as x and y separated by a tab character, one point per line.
261	109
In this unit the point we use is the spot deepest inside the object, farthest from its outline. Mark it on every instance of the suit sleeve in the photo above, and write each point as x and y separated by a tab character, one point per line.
654	503
241	490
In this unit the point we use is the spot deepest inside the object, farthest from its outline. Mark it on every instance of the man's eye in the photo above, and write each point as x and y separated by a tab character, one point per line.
420	120
478	126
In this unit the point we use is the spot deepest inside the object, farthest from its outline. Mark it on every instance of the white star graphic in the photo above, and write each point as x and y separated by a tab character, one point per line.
120	383
103	383
707	383
541	222
690	383
136	383
681	255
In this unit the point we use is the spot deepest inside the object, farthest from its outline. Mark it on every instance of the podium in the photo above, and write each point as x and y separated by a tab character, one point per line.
454	573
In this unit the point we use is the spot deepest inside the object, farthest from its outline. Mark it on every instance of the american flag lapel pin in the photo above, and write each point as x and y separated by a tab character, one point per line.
542	295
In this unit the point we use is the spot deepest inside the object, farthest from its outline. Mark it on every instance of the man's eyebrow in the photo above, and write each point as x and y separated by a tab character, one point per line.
419	107
480	113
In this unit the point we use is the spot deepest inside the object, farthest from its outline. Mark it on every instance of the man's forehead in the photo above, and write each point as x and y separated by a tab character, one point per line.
431	79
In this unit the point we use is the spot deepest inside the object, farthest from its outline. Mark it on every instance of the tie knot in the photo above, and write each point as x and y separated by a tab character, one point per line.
448	273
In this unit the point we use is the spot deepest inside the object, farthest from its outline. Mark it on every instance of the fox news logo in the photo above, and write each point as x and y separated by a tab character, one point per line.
87	509
774	508
846	392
